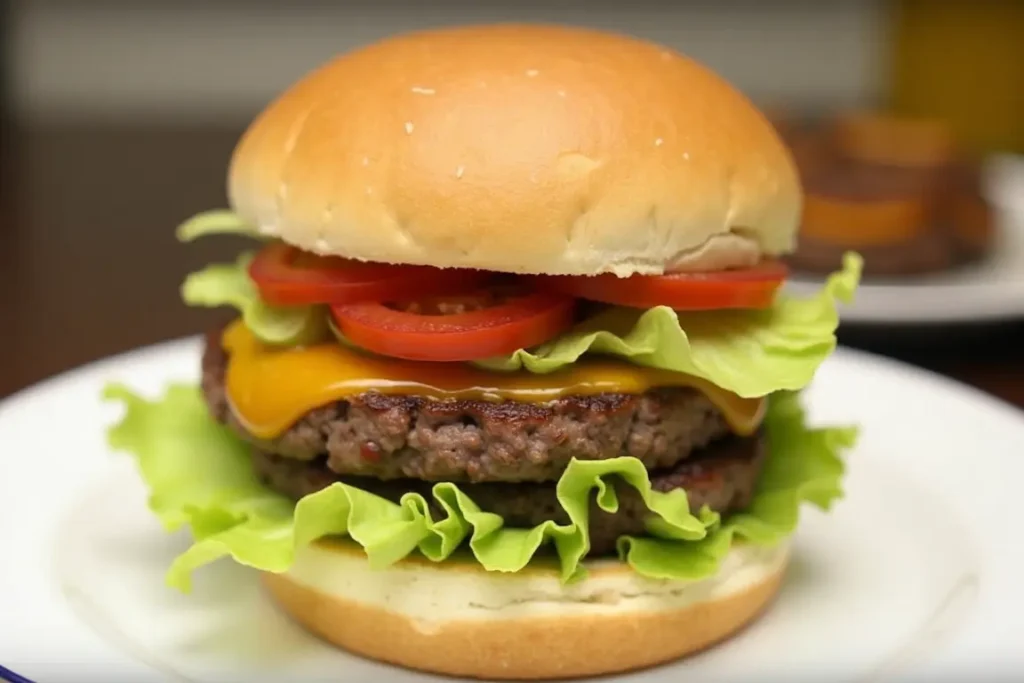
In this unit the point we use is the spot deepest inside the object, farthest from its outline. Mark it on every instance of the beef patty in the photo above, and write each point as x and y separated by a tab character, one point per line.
409	437
722	476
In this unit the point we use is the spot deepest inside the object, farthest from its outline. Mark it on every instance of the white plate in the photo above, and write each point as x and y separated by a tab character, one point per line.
915	574
988	291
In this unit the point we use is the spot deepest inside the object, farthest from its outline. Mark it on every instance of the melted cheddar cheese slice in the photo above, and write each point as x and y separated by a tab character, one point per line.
271	388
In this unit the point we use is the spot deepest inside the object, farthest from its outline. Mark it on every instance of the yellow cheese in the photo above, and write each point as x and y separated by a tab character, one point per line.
270	388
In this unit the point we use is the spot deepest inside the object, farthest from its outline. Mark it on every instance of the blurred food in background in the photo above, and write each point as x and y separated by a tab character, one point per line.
901	191
904	182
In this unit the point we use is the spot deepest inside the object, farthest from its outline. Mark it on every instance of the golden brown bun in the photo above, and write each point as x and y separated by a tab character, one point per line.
455	618
534	149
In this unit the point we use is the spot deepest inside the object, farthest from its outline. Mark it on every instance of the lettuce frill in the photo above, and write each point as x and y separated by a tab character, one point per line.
200	476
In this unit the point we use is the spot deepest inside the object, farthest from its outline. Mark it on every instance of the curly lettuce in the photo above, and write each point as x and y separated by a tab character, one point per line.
229	284
216	222
200	476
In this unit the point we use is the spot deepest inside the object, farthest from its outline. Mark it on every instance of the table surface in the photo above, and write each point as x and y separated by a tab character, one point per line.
89	265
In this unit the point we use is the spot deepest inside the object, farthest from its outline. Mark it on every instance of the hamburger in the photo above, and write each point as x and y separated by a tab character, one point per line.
512	390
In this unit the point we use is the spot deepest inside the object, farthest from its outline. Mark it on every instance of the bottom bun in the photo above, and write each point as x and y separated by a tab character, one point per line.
455	618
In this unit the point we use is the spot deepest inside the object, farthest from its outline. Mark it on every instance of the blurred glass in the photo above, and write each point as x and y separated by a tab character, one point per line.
962	61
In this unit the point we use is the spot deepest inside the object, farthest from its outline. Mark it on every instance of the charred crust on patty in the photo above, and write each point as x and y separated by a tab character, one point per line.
509	412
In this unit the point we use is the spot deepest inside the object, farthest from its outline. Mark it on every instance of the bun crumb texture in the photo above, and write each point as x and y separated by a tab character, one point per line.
455	618
517	148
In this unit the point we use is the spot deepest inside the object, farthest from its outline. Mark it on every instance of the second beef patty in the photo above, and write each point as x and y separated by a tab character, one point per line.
722	477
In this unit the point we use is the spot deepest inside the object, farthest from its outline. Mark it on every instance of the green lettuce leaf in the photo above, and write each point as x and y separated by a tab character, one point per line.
229	284
751	353
200	475
216	222
803	466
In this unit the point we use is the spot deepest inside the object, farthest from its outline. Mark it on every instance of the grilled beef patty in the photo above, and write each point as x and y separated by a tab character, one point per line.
410	437
722	476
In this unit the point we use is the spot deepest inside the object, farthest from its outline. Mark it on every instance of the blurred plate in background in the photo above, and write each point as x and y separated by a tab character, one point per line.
985	291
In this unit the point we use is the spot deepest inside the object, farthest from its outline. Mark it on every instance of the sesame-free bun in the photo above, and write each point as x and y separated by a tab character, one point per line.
457	619
528	149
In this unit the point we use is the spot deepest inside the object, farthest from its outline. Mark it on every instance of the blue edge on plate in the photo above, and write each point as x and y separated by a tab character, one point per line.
11	677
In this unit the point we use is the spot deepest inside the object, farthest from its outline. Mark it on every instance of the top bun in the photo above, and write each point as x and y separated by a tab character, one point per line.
525	149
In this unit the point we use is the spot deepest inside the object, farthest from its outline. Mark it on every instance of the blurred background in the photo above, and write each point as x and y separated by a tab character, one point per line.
118	117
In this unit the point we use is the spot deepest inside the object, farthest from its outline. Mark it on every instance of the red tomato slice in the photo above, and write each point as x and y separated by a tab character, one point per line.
287	276
753	287
518	322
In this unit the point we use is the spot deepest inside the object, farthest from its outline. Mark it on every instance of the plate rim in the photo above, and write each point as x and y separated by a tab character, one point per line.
1008	303
981	301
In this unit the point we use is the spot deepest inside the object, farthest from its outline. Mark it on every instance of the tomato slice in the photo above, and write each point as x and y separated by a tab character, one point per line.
753	287
288	276
473	333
